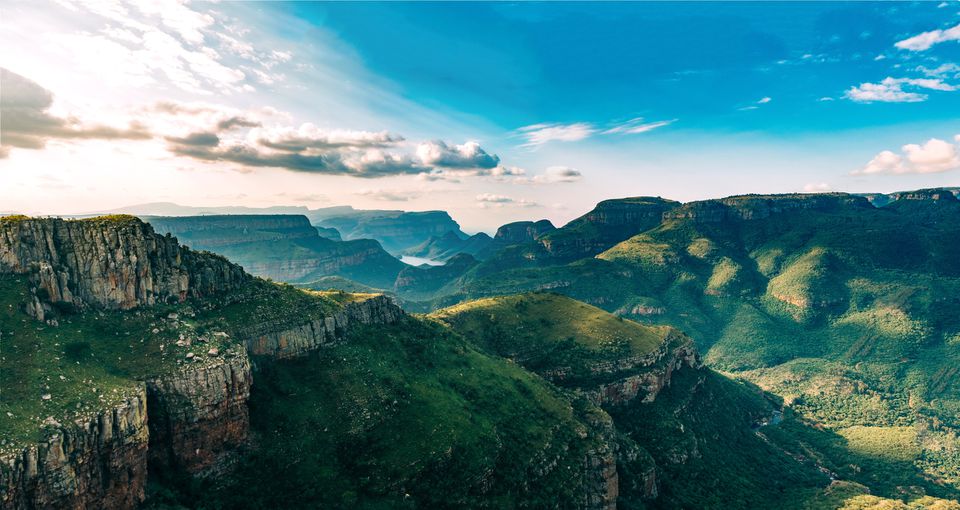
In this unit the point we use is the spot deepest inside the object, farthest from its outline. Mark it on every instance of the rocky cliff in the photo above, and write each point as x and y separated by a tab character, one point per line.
395	230
755	207
109	262
285	248
98	462
610	222
199	415
282	340
522	231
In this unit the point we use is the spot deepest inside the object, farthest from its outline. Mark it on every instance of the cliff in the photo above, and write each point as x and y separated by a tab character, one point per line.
397	231
199	415
110	262
522	232
98	462
284	340
285	248
756	207
610	222
451	244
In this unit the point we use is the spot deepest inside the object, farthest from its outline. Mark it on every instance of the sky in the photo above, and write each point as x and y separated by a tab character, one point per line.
494	112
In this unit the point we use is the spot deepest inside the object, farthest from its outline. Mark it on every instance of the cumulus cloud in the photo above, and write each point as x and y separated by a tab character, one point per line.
934	156
29	124
309	136
466	156
539	134
637	126
553	175
926	40
891	90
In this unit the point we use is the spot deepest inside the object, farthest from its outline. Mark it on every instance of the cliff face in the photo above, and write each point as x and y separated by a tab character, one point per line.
610	222
114	263
287	341
199	416
396	230
655	373
522	231
96	463
754	207
285	248
210	232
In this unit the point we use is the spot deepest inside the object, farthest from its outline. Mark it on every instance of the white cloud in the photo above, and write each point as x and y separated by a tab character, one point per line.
764	100
553	175
637	126
825	99
948	70
816	187
465	156
934	156
891	90
486	200
539	134
924	41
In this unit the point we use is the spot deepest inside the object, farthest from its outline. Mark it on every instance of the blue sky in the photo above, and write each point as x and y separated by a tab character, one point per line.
493	111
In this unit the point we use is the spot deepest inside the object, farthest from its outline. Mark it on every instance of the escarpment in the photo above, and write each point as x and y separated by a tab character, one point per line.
180	407
285	340
110	262
96	462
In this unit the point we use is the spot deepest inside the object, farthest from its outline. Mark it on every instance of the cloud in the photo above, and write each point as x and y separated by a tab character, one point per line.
934	156
486	200
637	126
924	41
764	100
200	139
539	134
466	156
309	136
389	195
948	70
891	90
28	123
816	187
553	175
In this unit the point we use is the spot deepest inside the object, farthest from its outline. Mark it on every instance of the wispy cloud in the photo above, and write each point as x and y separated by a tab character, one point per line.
926	40
552	175
934	156
892	90
388	195
486	200
539	134
637	126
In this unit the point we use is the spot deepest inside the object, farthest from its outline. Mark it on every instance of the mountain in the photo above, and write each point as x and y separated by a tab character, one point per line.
847	311
446	246
397	231
283	247
138	371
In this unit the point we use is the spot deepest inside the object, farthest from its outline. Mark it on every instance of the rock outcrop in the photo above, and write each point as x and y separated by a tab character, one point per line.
289	340
754	207
520	232
609	223
109	262
648	374
211	232
199	416
100	462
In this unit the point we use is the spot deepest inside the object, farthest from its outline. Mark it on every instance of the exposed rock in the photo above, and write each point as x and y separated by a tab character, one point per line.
99	462
286	340
396	230
115	263
199	416
522	231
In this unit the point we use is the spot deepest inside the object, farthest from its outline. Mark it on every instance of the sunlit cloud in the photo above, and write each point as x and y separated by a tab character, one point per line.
934	156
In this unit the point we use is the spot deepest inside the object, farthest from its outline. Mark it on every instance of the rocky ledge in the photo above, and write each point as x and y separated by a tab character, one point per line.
283	340
99	462
108	262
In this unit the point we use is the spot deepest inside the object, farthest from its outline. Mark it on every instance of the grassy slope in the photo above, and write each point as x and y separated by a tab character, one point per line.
551	334
853	311
409	415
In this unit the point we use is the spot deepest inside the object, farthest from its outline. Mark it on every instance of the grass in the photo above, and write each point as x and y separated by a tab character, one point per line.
408	416
86	362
